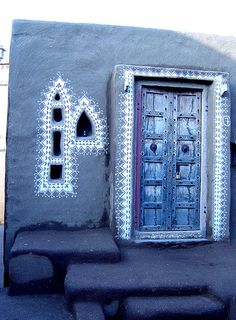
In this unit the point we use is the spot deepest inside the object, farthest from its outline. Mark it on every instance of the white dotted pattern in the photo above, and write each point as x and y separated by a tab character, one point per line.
71	145
98	141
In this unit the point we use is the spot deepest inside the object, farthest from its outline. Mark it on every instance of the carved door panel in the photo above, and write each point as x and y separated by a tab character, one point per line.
168	159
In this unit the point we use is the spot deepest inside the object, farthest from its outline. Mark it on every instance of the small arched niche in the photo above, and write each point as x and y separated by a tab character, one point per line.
57	97
84	126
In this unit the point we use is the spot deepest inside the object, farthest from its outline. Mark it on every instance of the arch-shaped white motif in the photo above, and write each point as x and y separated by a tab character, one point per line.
44	186
97	142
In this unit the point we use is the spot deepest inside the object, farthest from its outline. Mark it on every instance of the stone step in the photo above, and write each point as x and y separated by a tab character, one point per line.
106	282
62	246
39	259
177	308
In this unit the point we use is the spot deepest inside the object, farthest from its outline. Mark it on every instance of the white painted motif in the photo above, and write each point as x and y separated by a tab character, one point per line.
71	145
98	141
227	121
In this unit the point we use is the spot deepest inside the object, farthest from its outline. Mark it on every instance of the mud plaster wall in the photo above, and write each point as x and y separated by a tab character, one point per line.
85	55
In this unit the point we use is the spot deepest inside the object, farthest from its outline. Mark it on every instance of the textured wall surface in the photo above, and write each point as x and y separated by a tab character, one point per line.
4	69
86	56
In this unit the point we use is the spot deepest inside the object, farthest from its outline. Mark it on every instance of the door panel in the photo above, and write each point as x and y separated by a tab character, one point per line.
186	126
152	218
152	193
185	193
154	125
169	138
153	171
186	171
187	103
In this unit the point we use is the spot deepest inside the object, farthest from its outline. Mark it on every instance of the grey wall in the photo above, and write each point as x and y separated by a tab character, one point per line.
86	55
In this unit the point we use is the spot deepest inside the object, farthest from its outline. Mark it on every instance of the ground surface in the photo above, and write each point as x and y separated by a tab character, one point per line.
44	307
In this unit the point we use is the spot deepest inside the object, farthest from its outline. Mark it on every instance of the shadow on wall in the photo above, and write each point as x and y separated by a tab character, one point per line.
2	185
1	256
4	70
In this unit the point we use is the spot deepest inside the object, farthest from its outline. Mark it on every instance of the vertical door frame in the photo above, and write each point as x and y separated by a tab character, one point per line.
123	132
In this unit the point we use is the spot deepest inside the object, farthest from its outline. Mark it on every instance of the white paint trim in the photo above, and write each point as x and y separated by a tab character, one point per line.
123	182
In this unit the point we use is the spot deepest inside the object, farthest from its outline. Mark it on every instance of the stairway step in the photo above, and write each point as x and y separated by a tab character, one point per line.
177	308
102	282
63	246
39	259
88	311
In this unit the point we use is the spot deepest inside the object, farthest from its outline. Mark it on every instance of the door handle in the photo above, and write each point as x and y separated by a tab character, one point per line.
153	147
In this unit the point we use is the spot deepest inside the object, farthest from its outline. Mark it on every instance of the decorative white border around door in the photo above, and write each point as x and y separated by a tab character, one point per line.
123	176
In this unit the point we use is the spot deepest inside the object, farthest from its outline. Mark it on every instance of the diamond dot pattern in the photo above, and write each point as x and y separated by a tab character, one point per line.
71	145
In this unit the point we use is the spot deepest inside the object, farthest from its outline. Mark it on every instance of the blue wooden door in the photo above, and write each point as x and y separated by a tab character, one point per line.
168	159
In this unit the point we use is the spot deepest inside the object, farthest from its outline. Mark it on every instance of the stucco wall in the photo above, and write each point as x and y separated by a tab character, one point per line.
85	55
4	69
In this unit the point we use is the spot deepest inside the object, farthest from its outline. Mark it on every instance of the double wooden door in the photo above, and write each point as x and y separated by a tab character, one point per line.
168	159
